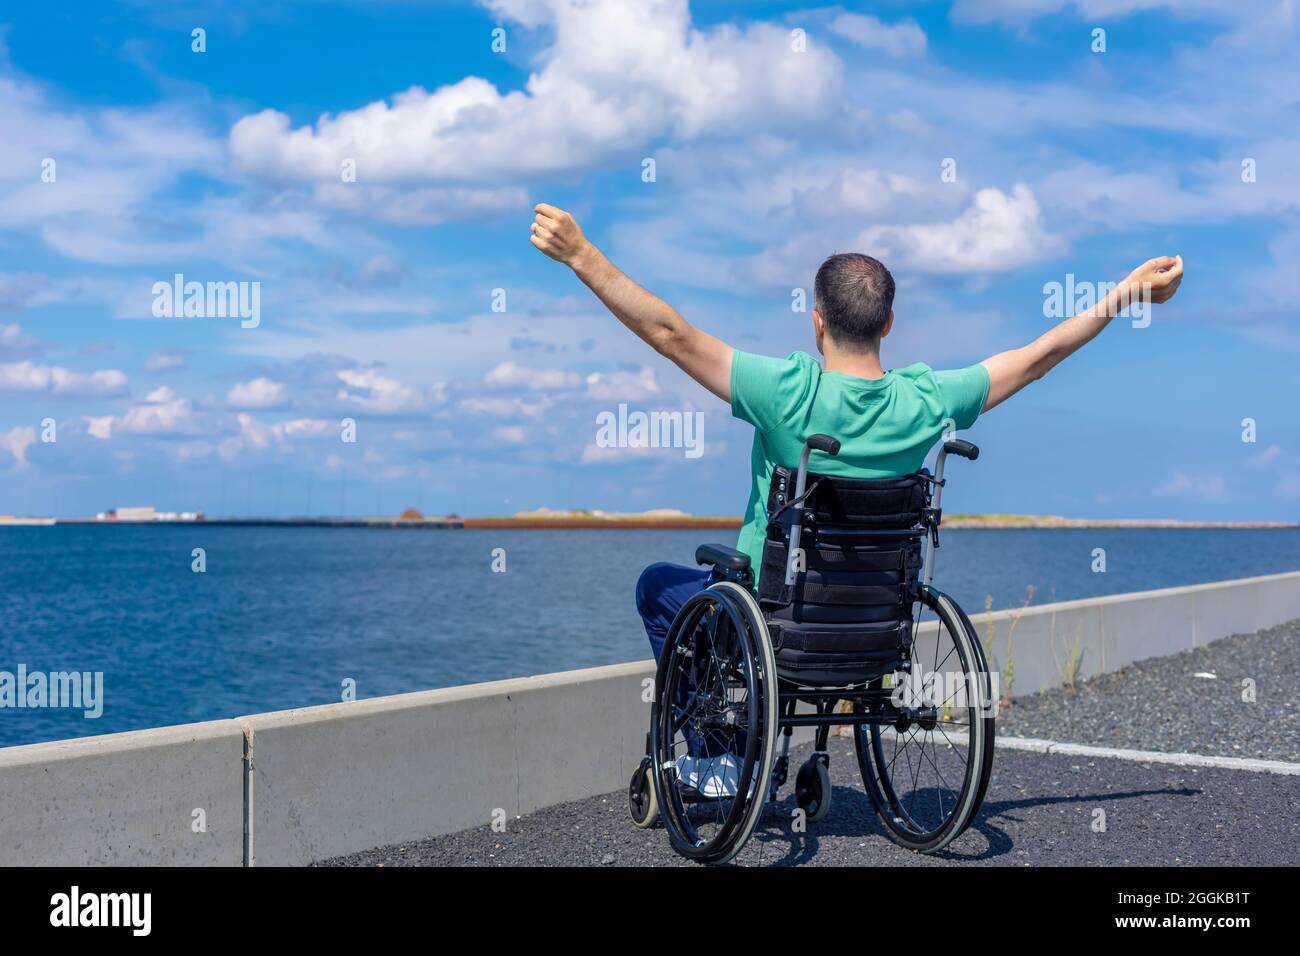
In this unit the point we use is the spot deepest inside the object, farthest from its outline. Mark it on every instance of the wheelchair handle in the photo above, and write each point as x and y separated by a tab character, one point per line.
962	449
822	443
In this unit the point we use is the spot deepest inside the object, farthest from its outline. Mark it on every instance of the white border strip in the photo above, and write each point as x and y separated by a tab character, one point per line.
1035	745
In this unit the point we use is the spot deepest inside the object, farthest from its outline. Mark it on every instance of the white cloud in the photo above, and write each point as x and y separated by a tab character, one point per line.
261	392
27	376
594	454
510	375
380	270
15	342
1020	12
372	392
162	413
514	434
425	206
853	192
187	451
997	233
1288	487
1181	485
164	360
110	162
902	39
623	386
16	441
504	407
260	434
1267	455
101	428
463	349
257	435
617	75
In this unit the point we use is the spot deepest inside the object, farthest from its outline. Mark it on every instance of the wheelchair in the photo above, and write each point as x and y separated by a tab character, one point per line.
834	636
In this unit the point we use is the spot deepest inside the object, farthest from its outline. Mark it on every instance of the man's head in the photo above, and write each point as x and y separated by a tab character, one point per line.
854	298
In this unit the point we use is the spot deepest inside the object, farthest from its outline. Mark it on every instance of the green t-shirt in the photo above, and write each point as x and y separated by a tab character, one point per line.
886	426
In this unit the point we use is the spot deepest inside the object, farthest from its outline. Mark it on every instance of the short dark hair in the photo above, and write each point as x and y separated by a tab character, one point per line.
854	294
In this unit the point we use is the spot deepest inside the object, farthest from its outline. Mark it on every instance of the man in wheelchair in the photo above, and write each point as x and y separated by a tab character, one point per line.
884	422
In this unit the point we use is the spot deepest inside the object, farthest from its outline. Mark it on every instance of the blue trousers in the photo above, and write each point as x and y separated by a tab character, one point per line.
661	592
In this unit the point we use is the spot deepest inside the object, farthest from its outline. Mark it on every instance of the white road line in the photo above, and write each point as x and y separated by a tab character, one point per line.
1146	756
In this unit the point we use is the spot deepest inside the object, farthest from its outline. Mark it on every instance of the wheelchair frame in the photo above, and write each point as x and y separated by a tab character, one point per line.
873	708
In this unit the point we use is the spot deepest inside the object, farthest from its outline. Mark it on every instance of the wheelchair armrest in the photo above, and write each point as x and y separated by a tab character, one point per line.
721	556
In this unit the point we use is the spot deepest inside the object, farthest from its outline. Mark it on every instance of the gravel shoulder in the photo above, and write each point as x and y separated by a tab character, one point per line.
1161	703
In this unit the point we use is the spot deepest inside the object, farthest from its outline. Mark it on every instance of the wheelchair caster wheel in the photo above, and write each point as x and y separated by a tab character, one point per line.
812	788
641	803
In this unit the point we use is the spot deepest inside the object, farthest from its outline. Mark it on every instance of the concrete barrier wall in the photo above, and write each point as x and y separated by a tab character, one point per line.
126	799
344	777
301	785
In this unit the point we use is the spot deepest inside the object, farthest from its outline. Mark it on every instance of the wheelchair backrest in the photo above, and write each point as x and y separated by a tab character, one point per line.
861	543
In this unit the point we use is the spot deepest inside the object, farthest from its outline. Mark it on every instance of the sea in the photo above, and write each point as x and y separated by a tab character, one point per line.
181	623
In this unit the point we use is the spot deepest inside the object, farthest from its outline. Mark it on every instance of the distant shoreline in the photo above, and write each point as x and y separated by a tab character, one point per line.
955	521
631	522
1054	521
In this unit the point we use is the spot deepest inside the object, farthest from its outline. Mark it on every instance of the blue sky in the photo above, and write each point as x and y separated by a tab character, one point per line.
377	295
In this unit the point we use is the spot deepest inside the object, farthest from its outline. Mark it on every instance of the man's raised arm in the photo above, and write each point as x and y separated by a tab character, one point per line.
1156	280
698	354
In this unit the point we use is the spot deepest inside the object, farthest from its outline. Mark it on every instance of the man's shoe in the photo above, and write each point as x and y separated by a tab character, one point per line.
714	778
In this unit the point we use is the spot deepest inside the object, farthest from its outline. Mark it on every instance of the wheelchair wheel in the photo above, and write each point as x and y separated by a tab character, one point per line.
716	685
642	805
926	774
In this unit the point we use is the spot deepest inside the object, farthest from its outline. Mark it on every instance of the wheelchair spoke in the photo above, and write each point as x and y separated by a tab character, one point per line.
911	794
938	791
937	771
935	668
919	787
939	727
709	730
939	664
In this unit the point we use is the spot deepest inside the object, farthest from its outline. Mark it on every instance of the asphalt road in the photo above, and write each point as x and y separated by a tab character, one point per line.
1039	811
1040	808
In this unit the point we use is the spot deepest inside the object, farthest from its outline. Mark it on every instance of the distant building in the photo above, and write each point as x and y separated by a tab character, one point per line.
144	513
148	513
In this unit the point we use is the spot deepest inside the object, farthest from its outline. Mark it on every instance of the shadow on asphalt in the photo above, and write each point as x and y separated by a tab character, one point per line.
852	816
999	843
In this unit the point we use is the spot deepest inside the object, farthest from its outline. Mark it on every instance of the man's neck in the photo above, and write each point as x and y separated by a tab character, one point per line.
861	364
